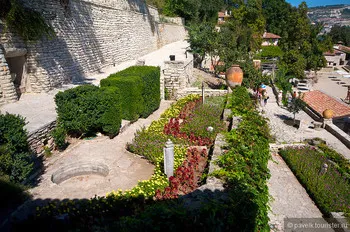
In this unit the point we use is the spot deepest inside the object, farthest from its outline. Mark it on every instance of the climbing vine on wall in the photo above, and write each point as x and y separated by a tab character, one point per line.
27	23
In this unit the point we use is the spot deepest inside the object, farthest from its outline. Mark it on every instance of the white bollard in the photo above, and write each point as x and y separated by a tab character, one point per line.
169	158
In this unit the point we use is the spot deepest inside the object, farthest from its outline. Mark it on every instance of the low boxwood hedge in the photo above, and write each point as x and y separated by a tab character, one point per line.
131	100
89	109
150	76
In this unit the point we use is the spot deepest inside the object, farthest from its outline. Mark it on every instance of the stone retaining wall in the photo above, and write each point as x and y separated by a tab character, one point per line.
173	20
177	76
78	169
338	133
91	35
41	138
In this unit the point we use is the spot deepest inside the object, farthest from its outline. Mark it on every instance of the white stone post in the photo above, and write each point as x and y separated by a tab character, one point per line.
169	158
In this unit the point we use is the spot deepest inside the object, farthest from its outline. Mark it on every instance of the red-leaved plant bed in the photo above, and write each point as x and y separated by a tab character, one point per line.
187	110
187	176
173	128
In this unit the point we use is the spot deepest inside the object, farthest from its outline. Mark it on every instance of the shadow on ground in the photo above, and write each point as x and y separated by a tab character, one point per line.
232	209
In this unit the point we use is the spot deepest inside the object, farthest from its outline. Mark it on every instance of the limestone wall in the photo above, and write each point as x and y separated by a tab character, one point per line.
7	89
91	34
169	33
40	138
177	76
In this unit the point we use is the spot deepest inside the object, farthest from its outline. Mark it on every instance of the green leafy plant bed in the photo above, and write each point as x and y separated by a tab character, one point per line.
329	187
244	165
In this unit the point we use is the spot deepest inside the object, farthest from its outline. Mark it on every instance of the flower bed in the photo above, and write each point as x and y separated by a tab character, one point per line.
330	188
244	166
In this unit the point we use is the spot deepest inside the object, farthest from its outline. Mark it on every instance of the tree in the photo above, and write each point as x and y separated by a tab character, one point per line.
193	10
295	63
295	106
203	39
339	33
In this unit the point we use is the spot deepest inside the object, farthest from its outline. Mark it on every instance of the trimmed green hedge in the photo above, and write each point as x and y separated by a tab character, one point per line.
88	109
15	158
150	76
131	88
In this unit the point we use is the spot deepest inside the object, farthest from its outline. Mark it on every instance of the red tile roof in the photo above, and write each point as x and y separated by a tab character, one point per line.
268	35
344	48
328	53
319	102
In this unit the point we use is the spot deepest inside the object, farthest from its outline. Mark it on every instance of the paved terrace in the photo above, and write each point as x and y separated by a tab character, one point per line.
39	108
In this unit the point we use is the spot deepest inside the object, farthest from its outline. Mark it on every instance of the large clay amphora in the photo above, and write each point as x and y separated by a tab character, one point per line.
234	76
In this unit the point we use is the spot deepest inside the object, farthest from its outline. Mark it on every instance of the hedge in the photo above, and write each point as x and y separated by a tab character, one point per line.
89	109
150	76
15	157
131	100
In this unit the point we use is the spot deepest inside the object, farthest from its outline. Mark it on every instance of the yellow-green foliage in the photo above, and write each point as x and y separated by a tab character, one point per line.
171	112
147	188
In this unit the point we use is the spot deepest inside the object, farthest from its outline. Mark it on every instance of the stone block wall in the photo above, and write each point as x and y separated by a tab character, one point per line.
172	20
174	79
40	138
7	88
91	34
169	33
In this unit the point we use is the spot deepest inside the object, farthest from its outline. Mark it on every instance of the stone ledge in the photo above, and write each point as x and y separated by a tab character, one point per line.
78	169
339	134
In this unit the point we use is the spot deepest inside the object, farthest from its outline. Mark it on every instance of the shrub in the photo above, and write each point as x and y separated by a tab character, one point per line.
131	88
151	80
13	136
88	109
59	136
15	158
240	101
13	193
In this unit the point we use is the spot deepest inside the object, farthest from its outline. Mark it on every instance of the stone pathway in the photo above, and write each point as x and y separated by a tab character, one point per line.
289	198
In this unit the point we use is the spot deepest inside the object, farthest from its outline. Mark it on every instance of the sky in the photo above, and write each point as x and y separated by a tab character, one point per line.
311	3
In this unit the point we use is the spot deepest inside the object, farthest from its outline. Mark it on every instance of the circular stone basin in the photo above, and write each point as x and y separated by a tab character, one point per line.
78	169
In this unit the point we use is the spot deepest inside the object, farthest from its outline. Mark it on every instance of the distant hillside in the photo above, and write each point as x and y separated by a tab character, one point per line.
328	7
330	14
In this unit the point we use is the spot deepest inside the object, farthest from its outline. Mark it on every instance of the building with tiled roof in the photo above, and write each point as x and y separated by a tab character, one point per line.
270	39
339	56
319	102
223	16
